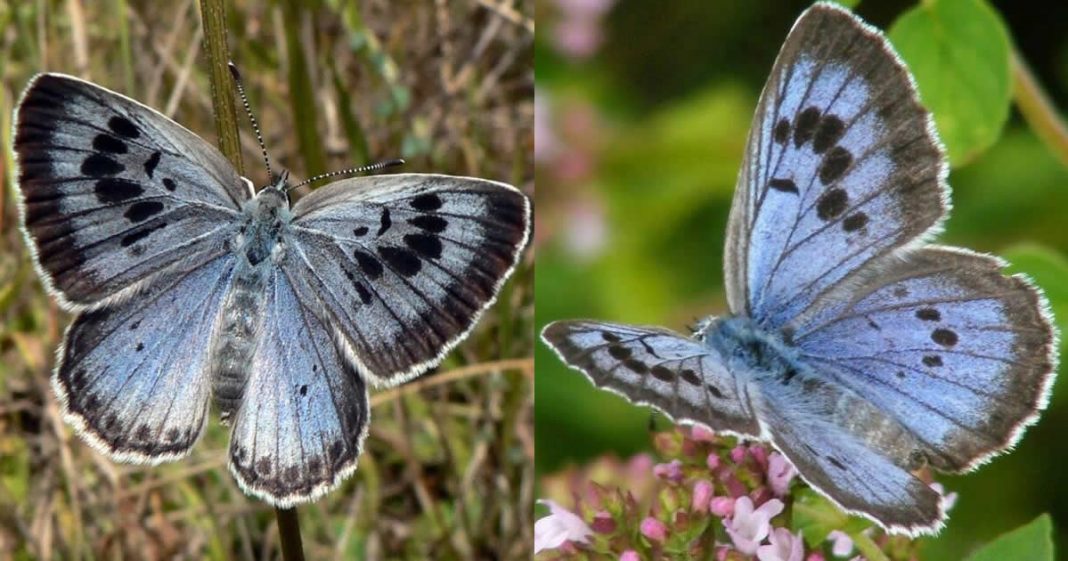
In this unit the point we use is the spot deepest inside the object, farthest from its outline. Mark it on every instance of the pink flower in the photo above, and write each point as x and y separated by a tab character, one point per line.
760	454
630	555
545	142
586	231
713	461
780	473
701	433
738	454
702	496
653	529
603	523
748	527
561	525
784	547
721	506
815	556
670	471
843	544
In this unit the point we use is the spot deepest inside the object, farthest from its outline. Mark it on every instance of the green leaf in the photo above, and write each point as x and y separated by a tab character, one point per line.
1030	542
959	52
816	517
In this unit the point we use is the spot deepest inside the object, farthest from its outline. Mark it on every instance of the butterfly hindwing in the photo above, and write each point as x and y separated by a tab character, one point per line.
403	265
133	375
940	339
657	367
847	451
111	191
842	166
304	413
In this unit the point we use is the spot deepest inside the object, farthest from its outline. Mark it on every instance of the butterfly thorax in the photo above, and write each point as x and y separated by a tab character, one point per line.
258	247
751	351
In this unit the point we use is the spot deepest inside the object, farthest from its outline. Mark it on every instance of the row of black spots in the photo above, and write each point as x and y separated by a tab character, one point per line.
123	127
928	314
151	163
944	337
104	142
385	222
834	165
610	337
427	202
143	210
429	223
111	190
101	165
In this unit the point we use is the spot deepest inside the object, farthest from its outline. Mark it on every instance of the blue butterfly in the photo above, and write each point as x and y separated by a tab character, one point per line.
190	286
858	350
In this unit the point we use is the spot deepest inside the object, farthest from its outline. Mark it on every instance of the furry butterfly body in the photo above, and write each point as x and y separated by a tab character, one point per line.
855	348
188	285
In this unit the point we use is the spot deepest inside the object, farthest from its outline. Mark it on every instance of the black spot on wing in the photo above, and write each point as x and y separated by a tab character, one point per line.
132	238
384	222
609	337
107	143
360	231
834	164
690	377
806	126
828	133
401	260
855	222
169	184
782	131
944	337
426	202
429	222
663	374
123	127
635	365
831	204
364	294
932	360
784	185
152	162
425	245
99	165
928	314
368	264
143	210
116	190
619	352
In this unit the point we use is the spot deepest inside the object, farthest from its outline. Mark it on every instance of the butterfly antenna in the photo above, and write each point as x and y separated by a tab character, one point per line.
251	118
377	166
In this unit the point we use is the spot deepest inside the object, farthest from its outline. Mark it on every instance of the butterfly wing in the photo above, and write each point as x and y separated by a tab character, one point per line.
657	367
112	191
304	413
864	471
404	265
960	354
842	166
133	376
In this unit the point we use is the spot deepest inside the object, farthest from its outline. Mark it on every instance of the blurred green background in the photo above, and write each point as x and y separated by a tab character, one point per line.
642	113
447	471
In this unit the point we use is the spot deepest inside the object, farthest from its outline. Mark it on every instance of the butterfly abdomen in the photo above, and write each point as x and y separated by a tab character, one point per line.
257	248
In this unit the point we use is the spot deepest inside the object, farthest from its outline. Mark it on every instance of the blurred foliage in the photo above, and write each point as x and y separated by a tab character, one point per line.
447	471
636	169
1033	542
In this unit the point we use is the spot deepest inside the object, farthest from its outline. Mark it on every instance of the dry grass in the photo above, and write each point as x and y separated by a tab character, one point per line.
448	85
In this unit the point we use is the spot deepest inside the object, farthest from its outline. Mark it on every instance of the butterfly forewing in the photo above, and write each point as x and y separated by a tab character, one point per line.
112	192
957	352
304	413
403	265
658	367
842	166
133	375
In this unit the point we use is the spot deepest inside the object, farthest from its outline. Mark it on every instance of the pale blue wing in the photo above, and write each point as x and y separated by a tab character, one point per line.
304	412
111	191
404	265
942	341
842	166
133	376
846	450
653	366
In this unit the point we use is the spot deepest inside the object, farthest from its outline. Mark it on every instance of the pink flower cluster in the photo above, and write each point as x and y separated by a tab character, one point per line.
710	497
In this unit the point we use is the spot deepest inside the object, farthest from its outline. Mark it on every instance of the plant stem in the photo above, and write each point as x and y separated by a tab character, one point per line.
1037	109
866	546
213	15
289	532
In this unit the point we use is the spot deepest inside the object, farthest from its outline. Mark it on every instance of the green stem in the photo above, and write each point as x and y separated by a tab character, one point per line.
301	96
213	15
1037	109
866	546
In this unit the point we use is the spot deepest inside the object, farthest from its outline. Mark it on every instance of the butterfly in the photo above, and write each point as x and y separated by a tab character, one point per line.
858	350
190	287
